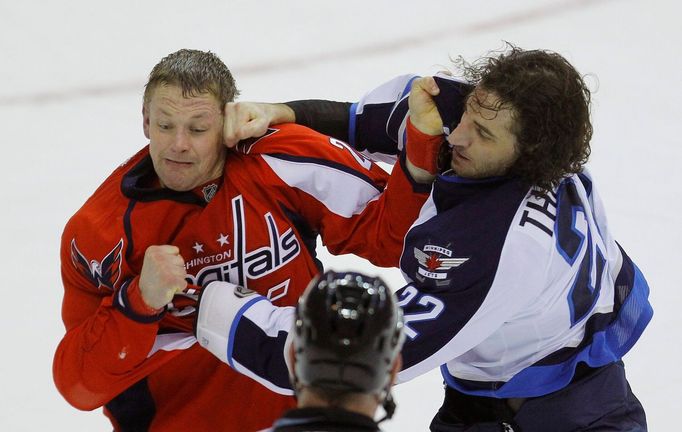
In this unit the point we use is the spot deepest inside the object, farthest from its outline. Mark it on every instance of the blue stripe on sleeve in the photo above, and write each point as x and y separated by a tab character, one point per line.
352	124
235	324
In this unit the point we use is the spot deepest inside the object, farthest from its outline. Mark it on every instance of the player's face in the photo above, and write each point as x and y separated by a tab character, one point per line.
185	137
483	144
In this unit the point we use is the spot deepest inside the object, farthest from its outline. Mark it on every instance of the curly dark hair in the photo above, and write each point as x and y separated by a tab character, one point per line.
550	106
195	72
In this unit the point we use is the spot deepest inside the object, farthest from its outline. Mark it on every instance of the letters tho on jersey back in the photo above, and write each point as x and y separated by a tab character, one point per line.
498	271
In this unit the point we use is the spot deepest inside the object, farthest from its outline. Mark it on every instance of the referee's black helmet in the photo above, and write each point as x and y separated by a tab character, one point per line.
348	332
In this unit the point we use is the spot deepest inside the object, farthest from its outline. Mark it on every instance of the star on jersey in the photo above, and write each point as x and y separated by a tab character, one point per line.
198	247
244	264
434	258
223	240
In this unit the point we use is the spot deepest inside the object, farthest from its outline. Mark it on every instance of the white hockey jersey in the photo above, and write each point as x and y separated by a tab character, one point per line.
508	288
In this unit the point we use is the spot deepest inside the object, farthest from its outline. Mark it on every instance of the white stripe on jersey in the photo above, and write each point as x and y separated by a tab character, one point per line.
380	157
270	319
171	342
322	182
389	92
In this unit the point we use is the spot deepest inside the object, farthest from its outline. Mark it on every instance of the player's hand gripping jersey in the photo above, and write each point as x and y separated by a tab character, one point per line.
508	288
255	227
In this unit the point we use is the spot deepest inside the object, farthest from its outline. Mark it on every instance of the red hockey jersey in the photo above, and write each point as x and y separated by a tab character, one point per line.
256	226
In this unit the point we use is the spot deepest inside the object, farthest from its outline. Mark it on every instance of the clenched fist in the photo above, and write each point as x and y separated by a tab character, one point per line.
163	275
251	119
423	112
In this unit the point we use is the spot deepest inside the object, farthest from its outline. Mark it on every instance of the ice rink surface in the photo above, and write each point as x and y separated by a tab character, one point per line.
71	77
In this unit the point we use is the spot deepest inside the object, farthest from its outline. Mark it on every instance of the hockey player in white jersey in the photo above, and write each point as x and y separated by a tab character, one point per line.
516	288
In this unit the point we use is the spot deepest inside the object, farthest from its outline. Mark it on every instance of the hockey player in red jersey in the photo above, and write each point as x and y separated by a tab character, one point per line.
185	211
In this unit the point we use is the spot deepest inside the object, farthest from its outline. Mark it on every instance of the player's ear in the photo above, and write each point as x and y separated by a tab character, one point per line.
145	120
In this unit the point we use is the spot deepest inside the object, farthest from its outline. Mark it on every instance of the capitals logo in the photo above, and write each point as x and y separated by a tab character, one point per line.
103	273
435	262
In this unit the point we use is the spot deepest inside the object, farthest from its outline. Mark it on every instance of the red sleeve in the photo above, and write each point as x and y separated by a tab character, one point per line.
354	204
106	346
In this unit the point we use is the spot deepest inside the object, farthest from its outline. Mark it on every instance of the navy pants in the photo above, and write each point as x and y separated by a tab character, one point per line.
600	400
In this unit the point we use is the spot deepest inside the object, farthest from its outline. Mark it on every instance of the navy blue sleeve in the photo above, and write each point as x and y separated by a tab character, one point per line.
327	117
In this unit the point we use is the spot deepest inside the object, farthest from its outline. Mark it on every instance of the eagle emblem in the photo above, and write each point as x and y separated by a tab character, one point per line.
104	273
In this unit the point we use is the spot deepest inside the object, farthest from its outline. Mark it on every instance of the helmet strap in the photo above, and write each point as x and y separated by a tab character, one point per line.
389	406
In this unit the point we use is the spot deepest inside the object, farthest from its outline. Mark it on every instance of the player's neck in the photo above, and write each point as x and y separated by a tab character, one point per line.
359	403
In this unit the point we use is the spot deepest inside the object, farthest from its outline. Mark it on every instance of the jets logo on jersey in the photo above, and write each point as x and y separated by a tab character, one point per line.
435	262
103	273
